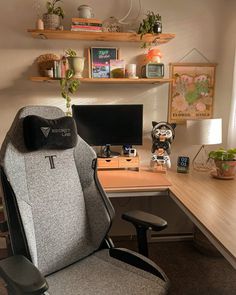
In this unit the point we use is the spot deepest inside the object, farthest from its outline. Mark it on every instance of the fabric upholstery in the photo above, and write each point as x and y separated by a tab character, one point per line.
115	277
57	208
66	216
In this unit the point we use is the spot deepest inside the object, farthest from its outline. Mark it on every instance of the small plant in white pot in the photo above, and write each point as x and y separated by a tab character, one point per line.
52	18
76	63
225	162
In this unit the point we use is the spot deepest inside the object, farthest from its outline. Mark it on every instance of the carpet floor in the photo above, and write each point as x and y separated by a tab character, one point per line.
190	272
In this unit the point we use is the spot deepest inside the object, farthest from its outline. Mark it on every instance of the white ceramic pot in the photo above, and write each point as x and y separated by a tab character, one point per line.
85	11
77	65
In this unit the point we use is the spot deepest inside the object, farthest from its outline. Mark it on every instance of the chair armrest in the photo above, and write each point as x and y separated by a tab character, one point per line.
144	219
21	276
142	222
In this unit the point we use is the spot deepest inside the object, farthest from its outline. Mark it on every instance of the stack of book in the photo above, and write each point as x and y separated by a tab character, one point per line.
86	25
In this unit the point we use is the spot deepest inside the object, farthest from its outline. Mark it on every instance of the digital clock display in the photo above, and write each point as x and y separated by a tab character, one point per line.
183	164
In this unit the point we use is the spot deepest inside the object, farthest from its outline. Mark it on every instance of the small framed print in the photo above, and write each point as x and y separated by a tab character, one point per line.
117	68
99	61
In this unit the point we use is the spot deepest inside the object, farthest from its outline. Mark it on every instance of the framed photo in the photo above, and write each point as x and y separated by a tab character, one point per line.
99	61
191	94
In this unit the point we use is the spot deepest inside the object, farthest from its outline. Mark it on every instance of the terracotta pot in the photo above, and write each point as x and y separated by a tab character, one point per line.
225	169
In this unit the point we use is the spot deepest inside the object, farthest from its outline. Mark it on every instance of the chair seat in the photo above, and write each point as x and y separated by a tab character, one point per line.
101	274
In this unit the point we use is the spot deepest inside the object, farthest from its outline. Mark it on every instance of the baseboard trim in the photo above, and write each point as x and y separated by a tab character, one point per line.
171	238
159	238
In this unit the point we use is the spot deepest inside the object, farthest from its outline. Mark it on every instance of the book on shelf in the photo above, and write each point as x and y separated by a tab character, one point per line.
87	24
76	20
59	68
87	28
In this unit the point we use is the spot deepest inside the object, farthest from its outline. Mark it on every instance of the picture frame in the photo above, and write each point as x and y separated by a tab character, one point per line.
191	93
99	61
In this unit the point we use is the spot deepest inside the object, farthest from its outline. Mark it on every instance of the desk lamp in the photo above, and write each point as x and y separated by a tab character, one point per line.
203	132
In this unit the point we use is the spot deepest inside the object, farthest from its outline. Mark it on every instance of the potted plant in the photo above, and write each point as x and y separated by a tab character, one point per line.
76	63
52	18
225	162
150	25
69	85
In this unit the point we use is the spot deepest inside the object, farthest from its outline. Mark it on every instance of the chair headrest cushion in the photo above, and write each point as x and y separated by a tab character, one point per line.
41	133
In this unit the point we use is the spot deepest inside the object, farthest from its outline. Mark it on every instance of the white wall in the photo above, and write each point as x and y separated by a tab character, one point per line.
207	25
227	47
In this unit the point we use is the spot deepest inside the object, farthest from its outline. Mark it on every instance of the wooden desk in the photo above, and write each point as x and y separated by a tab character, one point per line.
210	203
132	181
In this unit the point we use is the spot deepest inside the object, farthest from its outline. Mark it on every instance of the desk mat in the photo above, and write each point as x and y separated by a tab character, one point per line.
131	179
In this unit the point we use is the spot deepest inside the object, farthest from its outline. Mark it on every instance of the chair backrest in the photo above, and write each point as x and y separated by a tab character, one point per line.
63	212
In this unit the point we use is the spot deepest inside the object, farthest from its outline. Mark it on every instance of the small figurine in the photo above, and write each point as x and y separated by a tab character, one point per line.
163	134
154	55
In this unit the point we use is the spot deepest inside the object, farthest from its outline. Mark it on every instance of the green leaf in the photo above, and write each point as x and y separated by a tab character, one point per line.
222	154
70	52
69	74
64	94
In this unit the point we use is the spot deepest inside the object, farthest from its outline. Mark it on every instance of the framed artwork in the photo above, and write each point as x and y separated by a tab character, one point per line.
191	94
99	61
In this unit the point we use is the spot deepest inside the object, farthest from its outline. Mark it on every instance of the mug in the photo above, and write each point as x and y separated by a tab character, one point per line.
85	11
130	71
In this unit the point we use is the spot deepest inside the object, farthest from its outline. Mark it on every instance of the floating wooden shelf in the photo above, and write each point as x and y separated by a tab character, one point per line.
101	36
109	80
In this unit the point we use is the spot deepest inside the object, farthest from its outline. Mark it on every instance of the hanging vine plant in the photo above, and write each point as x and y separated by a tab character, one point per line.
69	86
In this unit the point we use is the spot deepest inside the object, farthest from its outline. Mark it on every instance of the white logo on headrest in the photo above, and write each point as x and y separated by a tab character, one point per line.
45	131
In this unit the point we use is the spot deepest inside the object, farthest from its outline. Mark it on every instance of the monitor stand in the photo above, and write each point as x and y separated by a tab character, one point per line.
106	152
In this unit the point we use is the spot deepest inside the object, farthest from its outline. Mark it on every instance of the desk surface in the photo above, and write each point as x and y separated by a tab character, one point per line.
132	181
209	202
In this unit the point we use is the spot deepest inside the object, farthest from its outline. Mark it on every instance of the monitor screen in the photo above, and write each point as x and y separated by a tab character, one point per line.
109	124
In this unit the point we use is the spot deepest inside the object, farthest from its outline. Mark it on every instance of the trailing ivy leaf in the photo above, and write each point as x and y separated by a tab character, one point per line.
70	52
69	74
63	94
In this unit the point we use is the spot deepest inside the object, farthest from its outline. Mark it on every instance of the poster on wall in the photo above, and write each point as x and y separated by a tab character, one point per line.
99	61
191	92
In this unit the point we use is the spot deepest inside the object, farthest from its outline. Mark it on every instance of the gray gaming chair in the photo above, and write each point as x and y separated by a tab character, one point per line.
59	216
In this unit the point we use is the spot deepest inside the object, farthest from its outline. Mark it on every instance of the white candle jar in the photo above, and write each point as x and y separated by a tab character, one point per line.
85	11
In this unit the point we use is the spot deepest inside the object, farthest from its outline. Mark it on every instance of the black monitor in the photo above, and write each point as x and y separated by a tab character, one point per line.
105	125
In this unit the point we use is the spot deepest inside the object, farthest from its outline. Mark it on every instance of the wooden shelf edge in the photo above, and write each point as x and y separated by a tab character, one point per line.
101	36
109	80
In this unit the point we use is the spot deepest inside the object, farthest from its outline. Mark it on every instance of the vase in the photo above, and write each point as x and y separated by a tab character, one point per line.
51	21
77	65
157	28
